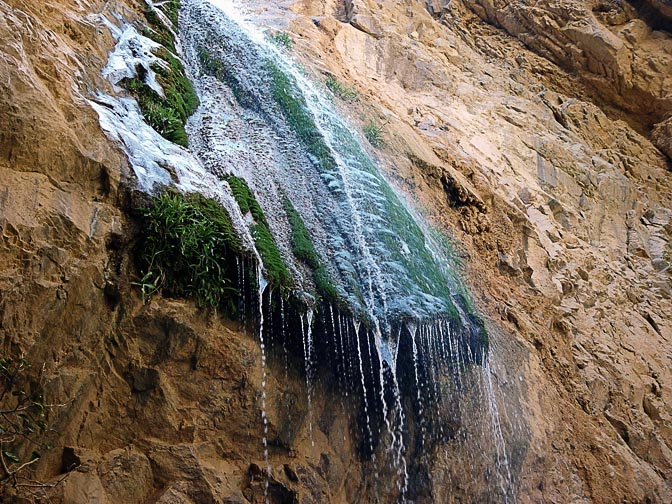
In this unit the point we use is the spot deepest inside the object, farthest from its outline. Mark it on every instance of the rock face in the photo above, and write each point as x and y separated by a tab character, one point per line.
614	51
527	143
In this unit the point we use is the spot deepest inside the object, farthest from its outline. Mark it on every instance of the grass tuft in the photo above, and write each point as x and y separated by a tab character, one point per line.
187	250
282	39
343	92
374	133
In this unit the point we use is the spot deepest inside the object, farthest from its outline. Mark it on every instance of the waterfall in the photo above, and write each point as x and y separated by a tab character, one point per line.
369	281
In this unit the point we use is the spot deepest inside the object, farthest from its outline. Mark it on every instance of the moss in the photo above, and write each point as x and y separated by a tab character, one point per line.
166	114
484	336
324	284
187	250
299	118
302	246
178	89
276	270
304	250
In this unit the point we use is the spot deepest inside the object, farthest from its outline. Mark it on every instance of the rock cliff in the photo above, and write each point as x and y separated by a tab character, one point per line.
538	134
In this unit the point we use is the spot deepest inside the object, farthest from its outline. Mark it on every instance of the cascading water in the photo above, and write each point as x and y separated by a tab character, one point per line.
306	335
264	120
372	300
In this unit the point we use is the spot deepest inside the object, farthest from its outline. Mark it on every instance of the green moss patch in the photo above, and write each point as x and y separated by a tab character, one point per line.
166	114
188	249
296	112
276	270
303	249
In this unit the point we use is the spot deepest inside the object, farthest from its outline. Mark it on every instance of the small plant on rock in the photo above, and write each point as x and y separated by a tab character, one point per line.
188	250
343	92
374	133
282	39
23	416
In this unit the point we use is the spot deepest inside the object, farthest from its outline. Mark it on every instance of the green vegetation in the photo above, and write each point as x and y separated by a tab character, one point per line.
420	267
345	93
215	68
374	133
166	114
187	250
296	112
276	270
483	334
303	249
23	416
171	8
282	39
157	30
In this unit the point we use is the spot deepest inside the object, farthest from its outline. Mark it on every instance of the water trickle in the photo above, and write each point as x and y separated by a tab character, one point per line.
413	329
369	431
307	333
263	283
398	447
502	465
347	348
338	349
283	337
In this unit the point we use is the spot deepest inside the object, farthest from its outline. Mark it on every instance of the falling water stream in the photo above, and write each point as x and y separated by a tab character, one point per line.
261	289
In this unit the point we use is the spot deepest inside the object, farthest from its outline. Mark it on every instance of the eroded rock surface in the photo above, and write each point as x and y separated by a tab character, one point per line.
615	52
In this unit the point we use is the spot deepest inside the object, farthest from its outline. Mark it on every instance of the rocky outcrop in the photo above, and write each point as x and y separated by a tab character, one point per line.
616	53
662	136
